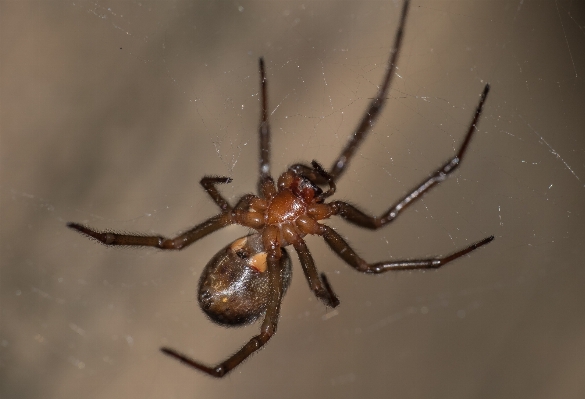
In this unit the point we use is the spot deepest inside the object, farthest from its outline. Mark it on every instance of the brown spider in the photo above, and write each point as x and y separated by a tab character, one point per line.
249	277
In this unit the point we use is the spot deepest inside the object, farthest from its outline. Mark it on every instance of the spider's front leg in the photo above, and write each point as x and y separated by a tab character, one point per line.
355	216
368	119
376	105
266	331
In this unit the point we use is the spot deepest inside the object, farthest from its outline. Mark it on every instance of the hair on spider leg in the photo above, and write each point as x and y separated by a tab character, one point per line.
247	279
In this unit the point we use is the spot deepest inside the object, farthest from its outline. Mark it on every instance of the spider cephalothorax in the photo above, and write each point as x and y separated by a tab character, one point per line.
248	278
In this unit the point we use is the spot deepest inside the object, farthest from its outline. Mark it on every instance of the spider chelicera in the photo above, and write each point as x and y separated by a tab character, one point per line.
249	277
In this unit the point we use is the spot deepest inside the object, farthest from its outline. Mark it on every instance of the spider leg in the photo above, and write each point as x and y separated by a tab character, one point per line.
266	331
244	203
265	182
375	106
356	216
319	286
181	241
345	252
264	128
209	183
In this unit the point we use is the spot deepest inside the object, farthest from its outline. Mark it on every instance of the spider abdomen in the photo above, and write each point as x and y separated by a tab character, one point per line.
234	287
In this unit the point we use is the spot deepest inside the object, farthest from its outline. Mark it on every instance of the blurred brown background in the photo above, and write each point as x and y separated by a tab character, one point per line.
111	112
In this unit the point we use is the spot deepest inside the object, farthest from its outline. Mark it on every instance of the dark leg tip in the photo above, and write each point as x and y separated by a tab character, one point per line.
173	353
166	351
483	242
75	226
332	300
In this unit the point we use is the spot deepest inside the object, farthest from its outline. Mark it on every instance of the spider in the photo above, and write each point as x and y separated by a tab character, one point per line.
249	277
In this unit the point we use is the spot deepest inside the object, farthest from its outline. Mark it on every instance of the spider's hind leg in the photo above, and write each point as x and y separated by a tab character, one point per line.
345	252
266	331
139	240
318	284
